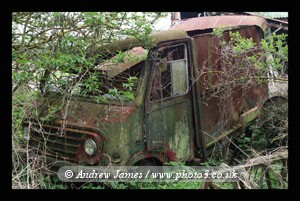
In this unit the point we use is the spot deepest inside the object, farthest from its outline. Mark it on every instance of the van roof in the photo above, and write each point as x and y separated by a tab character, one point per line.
211	22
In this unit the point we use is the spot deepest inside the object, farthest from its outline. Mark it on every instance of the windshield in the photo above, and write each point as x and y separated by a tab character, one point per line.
114	79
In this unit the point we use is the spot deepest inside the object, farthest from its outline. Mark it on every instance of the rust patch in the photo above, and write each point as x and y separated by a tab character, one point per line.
119	116
88	115
171	155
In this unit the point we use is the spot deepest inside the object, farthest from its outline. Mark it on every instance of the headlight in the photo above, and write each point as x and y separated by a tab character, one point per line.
90	147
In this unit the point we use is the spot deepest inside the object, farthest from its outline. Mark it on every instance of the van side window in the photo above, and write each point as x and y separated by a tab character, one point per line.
170	73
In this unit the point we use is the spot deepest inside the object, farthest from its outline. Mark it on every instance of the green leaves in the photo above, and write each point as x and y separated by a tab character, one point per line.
129	85
65	41
269	56
114	92
218	31
119	58
240	45
275	52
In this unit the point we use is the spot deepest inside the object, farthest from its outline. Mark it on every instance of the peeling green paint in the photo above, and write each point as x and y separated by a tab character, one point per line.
180	141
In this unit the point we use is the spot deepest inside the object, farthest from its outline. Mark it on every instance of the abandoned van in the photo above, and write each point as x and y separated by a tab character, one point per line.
155	108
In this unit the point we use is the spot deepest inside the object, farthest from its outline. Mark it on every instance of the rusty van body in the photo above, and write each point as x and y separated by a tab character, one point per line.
171	116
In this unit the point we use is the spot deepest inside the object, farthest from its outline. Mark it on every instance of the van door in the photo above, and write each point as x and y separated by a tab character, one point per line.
168	103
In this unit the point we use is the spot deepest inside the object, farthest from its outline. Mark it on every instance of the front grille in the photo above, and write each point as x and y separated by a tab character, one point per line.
61	144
